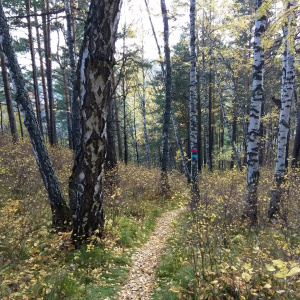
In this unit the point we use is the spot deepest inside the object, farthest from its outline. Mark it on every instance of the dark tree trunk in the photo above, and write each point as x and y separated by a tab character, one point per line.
20	122
42	73
111	158
168	100
9	104
199	122
34	73
61	216
96	64
124	124
296	149
47	42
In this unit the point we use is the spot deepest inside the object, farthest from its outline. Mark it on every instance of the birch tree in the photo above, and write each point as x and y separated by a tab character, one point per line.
61	216
287	88
255	114
96	63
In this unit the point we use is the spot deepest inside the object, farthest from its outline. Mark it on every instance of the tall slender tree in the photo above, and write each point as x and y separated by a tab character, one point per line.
255	115
287	88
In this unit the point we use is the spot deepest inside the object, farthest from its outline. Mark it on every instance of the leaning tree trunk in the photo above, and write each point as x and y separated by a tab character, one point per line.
34	72
255	116
192	106
96	65
9	104
168	101
229	133
287	87
61	216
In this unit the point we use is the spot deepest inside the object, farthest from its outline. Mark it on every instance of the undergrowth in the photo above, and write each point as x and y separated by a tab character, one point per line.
215	254
38	263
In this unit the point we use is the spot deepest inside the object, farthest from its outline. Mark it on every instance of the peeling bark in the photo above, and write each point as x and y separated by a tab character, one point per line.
96	63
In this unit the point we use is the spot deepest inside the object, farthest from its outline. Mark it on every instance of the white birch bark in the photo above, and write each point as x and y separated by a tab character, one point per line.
287	89
255	116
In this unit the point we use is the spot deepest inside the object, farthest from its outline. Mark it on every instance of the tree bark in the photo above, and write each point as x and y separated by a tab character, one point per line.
61	216
34	73
255	116
168	101
9	104
287	87
42	73
296	148
96	65
48	55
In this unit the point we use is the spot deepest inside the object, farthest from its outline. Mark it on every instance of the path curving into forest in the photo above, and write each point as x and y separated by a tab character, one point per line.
145	261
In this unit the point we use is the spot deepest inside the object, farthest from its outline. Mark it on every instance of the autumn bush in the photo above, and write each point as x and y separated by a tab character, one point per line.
38	263
215	254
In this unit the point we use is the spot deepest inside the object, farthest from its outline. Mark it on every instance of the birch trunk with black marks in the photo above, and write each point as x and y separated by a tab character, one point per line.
229	133
75	106
33	63
39	49
96	66
9	104
255	116
287	88
168	101
192	106
61	216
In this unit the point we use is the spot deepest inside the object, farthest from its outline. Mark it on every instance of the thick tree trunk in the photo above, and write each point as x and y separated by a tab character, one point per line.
168	101
96	65
229	133
192	106
255	116
61	216
42	73
34	73
287	87
9	104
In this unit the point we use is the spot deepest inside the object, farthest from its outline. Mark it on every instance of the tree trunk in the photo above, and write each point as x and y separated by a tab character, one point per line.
168	101
20	122
287	87
144	119
48	55
73	91
34	73
192	106
199	123
296	149
61	216
9	104
42	73
235	153
255	116
111	159
96	65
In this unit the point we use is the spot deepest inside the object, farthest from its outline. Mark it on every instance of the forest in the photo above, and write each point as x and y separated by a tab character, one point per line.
149	149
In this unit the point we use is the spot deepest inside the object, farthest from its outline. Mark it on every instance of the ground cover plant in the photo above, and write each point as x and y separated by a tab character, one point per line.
39	263
215	254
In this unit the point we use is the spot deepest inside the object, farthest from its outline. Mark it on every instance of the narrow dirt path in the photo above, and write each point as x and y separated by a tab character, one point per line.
145	261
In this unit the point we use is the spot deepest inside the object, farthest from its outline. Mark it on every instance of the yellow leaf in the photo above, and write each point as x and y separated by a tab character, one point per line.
247	277
270	268
267	286
174	289
279	263
293	272
282	273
